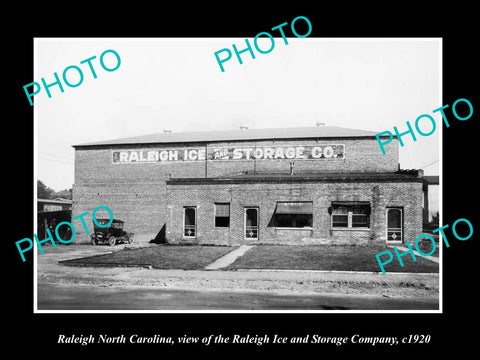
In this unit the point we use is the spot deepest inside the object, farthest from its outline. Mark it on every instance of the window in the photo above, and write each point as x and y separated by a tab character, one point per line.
340	216
293	214
189	222
350	214
361	216
222	215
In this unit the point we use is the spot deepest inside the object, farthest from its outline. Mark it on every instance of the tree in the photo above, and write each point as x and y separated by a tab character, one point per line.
43	191
64	194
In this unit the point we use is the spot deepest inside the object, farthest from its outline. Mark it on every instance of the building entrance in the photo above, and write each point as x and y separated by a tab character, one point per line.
251	223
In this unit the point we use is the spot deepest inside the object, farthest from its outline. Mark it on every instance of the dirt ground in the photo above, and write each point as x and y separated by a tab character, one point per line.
50	272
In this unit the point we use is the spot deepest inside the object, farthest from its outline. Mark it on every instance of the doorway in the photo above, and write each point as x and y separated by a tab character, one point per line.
190	222
251	223
394	225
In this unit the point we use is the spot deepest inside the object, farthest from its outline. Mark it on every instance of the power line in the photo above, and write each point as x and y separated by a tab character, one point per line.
58	161
56	155
433	162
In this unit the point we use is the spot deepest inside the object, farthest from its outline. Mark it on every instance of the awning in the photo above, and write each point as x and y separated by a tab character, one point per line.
350	203
294	208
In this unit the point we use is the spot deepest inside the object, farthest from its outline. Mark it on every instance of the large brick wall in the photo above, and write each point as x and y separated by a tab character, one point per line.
136	192
264	195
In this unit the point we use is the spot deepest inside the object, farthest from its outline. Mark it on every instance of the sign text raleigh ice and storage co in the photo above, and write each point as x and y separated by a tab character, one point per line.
293	152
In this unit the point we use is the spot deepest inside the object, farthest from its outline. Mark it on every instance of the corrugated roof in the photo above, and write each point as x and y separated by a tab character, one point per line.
237	135
56	201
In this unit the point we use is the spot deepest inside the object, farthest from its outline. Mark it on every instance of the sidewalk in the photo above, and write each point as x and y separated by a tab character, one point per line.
229	258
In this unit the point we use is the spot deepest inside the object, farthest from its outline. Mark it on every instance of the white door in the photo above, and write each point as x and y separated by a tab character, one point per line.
394	224
190	222
251	223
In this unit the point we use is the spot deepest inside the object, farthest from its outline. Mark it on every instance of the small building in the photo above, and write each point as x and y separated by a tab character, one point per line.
313	208
310	185
51	212
58	204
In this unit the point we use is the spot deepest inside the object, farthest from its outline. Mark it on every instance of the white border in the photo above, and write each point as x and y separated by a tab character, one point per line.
35	196
440	182
35	118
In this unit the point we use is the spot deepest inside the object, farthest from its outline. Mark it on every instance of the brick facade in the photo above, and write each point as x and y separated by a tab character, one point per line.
146	197
264	194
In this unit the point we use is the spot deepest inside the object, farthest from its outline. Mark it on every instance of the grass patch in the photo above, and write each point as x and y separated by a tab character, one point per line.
285	257
327	257
426	246
193	257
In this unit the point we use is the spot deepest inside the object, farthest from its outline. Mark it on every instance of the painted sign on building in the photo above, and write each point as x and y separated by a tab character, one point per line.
48	207
293	152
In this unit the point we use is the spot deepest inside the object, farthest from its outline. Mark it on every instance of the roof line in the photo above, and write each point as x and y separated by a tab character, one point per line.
201	137
222	141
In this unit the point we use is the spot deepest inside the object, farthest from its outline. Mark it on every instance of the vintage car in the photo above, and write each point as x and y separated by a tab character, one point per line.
112	234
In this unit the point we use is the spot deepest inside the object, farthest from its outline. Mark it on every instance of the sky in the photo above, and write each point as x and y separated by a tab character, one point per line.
176	83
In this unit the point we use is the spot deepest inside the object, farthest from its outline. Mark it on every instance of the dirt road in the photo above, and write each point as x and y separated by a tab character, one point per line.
299	289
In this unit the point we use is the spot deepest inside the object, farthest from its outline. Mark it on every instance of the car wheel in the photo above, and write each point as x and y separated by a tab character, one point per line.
111	240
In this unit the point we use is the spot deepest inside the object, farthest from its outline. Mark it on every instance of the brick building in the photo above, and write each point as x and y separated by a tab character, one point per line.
314	185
